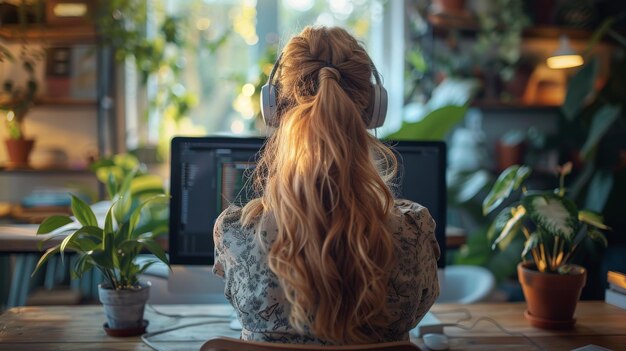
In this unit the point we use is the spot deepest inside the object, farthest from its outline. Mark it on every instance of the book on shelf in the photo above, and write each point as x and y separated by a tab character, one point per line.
617	279
616	293
615	298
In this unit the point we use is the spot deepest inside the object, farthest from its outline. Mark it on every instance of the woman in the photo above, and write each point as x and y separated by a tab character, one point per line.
325	254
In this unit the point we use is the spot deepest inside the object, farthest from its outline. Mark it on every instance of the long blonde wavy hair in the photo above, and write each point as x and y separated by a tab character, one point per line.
324	179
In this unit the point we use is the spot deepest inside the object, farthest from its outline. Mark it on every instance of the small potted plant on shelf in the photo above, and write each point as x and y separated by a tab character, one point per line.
16	102
554	229
112	245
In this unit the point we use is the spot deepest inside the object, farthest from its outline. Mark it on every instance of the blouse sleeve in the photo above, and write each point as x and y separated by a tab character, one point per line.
218	235
428	253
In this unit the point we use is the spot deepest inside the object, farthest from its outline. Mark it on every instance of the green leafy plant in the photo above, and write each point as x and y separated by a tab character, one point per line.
16	98
112	246
550	222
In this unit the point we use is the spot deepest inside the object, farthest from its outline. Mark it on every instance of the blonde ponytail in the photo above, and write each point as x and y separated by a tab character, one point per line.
319	178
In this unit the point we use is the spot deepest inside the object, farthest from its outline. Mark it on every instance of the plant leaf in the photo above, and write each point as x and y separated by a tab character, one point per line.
146	265
147	183
434	126
593	219
111	186
598	236
578	88
533	240
49	253
603	119
83	212
599	190
52	223
156	249
557	215
512	218
509	180
134	218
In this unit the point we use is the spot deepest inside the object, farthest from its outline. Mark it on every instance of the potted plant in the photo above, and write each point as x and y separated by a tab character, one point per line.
111	246
16	102
554	229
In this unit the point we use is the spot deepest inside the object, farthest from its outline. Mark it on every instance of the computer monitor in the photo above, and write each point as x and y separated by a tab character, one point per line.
208	173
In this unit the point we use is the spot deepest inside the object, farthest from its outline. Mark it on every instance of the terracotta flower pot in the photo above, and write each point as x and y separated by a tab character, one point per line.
19	151
551	298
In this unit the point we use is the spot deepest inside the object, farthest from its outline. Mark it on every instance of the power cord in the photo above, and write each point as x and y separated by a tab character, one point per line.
502	329
153	309
148	343
468	317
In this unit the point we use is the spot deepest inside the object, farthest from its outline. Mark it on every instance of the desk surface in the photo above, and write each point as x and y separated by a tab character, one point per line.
80	328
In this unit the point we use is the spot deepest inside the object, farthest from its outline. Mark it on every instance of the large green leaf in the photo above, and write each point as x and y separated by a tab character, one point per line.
509	180
592	218
533	241
83	212
52	223
556	215
578	88
507	223
433	126
603	119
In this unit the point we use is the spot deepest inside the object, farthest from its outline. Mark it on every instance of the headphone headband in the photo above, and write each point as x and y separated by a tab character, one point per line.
375	113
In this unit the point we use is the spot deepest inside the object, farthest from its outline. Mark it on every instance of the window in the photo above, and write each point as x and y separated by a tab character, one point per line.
229	48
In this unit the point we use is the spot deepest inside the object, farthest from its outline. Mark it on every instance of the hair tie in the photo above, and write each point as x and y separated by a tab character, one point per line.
331	72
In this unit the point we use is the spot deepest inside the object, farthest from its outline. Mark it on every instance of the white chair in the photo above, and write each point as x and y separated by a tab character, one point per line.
466	284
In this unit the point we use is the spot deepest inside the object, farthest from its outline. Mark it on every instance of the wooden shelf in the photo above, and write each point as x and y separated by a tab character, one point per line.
35	171
444	22
64	102
502	105
554	32
76	34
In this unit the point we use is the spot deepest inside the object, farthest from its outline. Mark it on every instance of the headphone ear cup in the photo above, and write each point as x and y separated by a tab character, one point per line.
378	107
268	105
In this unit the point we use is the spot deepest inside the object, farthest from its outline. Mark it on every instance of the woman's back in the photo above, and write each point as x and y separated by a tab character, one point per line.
253	289
317	250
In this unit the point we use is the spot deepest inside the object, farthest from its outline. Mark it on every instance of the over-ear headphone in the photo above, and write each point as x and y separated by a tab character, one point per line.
374	114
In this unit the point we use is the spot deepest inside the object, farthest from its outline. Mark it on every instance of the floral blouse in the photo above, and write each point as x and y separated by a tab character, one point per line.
255	293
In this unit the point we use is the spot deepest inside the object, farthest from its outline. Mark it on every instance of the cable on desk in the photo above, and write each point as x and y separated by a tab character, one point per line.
502	329
145	336
153	309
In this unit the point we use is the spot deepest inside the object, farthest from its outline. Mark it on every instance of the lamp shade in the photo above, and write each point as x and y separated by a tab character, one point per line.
564	56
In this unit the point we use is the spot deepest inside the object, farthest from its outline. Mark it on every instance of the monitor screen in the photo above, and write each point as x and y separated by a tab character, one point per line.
209	173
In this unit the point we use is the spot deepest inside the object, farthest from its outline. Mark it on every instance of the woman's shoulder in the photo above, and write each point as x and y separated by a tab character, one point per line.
418	223
230	216
414	211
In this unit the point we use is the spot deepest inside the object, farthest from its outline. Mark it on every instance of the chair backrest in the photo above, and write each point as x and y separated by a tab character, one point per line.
228	344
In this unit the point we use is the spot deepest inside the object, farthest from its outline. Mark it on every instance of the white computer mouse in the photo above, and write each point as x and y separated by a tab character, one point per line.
436	341
235	324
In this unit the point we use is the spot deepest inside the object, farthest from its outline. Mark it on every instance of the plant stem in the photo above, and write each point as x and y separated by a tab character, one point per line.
569	254
555	250
544	258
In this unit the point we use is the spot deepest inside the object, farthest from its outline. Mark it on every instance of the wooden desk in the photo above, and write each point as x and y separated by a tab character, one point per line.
80	328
